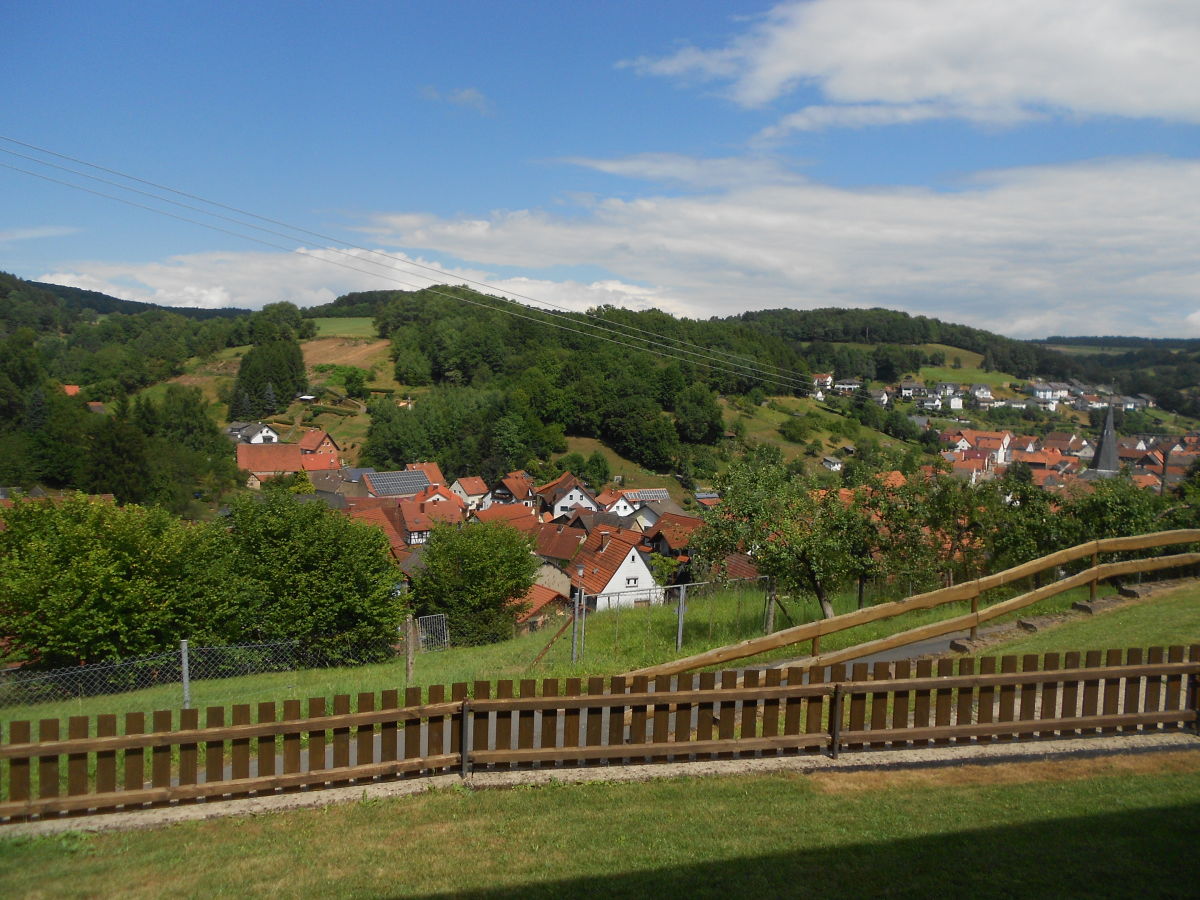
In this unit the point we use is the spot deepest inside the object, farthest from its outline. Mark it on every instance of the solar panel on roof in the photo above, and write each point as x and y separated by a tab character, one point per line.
396	484
649	494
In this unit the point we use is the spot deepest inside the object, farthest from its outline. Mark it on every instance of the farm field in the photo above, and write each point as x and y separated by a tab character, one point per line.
1091	827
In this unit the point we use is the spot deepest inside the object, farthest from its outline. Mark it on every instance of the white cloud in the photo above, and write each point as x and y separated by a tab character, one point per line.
471	98
691	171
985	61
36	233
1100	248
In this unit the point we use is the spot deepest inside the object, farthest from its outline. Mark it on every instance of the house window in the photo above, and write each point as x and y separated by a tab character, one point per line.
631	581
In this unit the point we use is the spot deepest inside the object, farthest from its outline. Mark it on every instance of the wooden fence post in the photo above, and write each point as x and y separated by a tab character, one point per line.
1092	584
835	720
975	611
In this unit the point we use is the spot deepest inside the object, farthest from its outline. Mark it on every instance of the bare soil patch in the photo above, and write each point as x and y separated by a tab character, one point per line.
359	352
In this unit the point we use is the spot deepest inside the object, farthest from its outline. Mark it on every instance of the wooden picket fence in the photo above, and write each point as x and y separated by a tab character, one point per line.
618	720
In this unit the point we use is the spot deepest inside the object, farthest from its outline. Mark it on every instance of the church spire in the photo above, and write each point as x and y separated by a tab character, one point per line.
1106	462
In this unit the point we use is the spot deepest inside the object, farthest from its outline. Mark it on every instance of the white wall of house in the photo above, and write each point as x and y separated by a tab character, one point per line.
266	435
473	501
575	496
621	507
631	584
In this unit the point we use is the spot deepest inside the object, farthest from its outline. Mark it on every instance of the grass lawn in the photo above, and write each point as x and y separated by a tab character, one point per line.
633	475
359	327
1173	618
1102	828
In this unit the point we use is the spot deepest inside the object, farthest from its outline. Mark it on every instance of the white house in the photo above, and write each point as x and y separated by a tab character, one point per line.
470	490
612	570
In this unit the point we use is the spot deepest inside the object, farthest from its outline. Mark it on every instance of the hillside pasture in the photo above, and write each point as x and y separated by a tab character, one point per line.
359	327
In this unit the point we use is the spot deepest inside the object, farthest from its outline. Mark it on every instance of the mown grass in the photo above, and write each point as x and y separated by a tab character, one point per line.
1173	618
357	327
1094	835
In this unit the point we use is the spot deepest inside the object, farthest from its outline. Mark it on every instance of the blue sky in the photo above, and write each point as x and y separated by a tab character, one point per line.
1032	167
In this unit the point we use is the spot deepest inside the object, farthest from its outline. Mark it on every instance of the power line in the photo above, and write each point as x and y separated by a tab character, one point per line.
746	366
790	384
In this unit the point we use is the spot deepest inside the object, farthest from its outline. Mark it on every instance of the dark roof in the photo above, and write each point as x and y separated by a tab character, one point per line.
1106	459
397	484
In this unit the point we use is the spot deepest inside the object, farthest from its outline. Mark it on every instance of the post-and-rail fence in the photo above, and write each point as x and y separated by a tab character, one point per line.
503	726
971	591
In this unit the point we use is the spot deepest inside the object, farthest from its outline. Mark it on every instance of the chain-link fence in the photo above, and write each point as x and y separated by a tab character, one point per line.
673	620
23	687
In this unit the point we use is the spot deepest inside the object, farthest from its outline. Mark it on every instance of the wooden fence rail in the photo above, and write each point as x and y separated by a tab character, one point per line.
502	726
967	590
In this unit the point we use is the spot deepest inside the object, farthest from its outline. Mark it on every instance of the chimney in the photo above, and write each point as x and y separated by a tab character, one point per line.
604	535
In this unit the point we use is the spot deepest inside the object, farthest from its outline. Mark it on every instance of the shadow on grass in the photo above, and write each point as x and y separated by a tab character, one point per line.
1149	853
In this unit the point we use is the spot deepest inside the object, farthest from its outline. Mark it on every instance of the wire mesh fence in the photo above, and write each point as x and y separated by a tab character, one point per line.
675	619
188	664
433	632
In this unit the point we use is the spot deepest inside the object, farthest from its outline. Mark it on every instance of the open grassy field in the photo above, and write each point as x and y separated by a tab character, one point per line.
360	327
632	475
1157	621
1089	828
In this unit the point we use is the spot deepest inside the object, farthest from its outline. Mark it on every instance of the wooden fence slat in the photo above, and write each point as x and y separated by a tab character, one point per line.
189	753
550	717
900	699
267	744
814	712
593	725
1174	696
413	728
616	713
389	732
705	717
1154	684
880	702
922	700
1134	687
135	758
364	735
1112	688
771	706
573	688
106	760
964	699
291	740
48	768
1008	696
986	712
1091	688
1030	662
160	757
316	738
77	763
1049	694
525	720
341	736
661	715
19	782
504	729
837	710
436	730
726	714
1070	691
943	698
637	716
481	722
749	717
683	715
240	747
214	751
858	701
458	692
793	707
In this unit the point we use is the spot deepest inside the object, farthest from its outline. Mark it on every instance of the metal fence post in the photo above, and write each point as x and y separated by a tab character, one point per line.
682	610
410	648
185	674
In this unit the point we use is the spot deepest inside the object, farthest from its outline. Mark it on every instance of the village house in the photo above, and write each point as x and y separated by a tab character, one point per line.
405	483
471	490
251	433
515	487
564	493
540	606
613	571
320	443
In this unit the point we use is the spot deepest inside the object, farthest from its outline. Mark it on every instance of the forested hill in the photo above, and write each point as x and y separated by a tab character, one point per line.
78	299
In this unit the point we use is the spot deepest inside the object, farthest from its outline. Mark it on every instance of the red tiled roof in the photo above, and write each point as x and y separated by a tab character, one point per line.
600	565
70	389
473	485
517	515
519	485
739	565
536	599
269	458
675	529
378	518
559	541
319	462
310	441
426	494
431	470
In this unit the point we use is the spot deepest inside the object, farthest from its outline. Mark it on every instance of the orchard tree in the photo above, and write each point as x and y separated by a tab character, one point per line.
476	575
